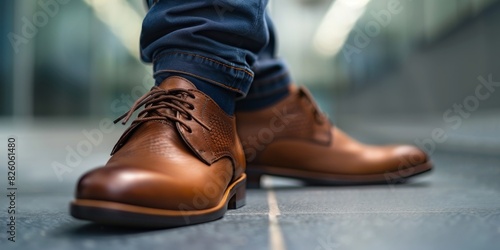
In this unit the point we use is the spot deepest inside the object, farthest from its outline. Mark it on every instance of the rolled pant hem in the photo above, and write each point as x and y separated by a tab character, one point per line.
205	67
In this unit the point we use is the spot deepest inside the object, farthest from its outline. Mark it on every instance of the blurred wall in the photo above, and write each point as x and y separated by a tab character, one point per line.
79	58
437	75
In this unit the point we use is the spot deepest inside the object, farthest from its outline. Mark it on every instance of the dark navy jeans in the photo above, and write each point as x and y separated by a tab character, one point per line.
230	43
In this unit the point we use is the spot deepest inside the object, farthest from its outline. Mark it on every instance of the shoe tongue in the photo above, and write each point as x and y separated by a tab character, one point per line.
175	82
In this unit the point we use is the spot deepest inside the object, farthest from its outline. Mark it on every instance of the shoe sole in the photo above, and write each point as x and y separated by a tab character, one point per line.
120	214
255	172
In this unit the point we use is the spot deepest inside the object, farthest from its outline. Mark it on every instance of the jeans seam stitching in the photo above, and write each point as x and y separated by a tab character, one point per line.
201	77
206	58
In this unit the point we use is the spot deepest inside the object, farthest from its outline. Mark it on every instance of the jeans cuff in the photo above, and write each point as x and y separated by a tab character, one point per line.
207	68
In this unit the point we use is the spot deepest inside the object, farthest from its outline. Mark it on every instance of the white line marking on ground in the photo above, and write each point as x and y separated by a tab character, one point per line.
276	241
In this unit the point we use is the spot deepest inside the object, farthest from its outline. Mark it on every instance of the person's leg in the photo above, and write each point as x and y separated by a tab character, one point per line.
284	133
272	78
181	161
212	43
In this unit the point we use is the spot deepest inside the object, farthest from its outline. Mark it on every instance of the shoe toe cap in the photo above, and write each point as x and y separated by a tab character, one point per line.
142	187
409	156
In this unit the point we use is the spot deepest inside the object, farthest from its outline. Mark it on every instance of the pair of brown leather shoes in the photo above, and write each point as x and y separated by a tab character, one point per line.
181	161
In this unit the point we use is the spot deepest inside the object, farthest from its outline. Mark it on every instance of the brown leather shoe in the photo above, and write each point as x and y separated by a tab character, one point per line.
179	163
294	139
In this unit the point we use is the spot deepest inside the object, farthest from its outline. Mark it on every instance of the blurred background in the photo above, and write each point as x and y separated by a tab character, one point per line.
423	72
420	72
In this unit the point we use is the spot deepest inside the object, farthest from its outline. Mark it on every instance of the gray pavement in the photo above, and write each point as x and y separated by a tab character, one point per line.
456	206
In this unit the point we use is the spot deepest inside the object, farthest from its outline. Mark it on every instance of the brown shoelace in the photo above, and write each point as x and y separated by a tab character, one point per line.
157	103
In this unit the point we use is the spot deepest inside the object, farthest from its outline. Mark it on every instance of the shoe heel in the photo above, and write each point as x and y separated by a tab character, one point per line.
253	180
239	198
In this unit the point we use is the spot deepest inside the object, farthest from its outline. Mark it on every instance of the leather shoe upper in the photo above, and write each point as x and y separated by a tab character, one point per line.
294	134
181	152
